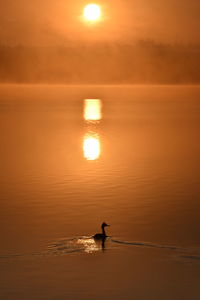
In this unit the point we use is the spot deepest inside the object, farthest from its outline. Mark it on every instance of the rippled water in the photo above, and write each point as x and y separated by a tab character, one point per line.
73	157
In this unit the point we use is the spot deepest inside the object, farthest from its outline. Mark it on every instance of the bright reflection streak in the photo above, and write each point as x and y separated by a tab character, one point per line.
91	146
89	245
92	110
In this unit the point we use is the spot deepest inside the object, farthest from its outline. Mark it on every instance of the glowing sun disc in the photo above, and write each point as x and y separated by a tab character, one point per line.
92	12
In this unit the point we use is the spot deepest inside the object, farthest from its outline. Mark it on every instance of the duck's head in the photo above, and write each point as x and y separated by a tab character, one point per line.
104	225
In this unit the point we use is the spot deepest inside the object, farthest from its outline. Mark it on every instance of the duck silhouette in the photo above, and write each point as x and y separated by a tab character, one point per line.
101	236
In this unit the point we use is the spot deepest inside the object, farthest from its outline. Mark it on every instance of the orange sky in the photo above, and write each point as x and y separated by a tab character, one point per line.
51	22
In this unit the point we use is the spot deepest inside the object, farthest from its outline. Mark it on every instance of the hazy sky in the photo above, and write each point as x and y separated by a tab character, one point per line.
53	22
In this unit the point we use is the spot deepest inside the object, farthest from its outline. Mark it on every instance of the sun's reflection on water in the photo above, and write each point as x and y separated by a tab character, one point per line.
91	146
91	140
89	245
92	110
79	244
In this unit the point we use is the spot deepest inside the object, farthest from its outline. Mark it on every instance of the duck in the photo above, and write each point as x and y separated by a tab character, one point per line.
101	236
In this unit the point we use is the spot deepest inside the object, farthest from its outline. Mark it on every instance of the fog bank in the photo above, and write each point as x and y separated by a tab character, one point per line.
141	62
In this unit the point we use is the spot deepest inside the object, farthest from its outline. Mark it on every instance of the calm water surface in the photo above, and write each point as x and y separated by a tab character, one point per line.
129	157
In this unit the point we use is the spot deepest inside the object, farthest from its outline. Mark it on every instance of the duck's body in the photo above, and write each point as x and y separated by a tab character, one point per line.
101	236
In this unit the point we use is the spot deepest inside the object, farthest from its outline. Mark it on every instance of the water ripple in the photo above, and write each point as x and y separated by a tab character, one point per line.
85	244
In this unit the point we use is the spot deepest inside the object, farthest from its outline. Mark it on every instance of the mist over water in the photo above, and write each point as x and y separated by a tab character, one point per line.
101	62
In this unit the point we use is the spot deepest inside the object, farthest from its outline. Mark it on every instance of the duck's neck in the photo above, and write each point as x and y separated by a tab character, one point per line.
103	231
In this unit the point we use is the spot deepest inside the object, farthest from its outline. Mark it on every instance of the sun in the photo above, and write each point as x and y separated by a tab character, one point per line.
92	12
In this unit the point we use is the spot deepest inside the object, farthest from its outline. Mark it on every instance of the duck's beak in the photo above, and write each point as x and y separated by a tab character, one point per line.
107	225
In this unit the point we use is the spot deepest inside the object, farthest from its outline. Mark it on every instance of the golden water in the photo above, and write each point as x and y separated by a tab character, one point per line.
73	157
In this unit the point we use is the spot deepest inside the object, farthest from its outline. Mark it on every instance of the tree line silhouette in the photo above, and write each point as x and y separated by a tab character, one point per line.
143	62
